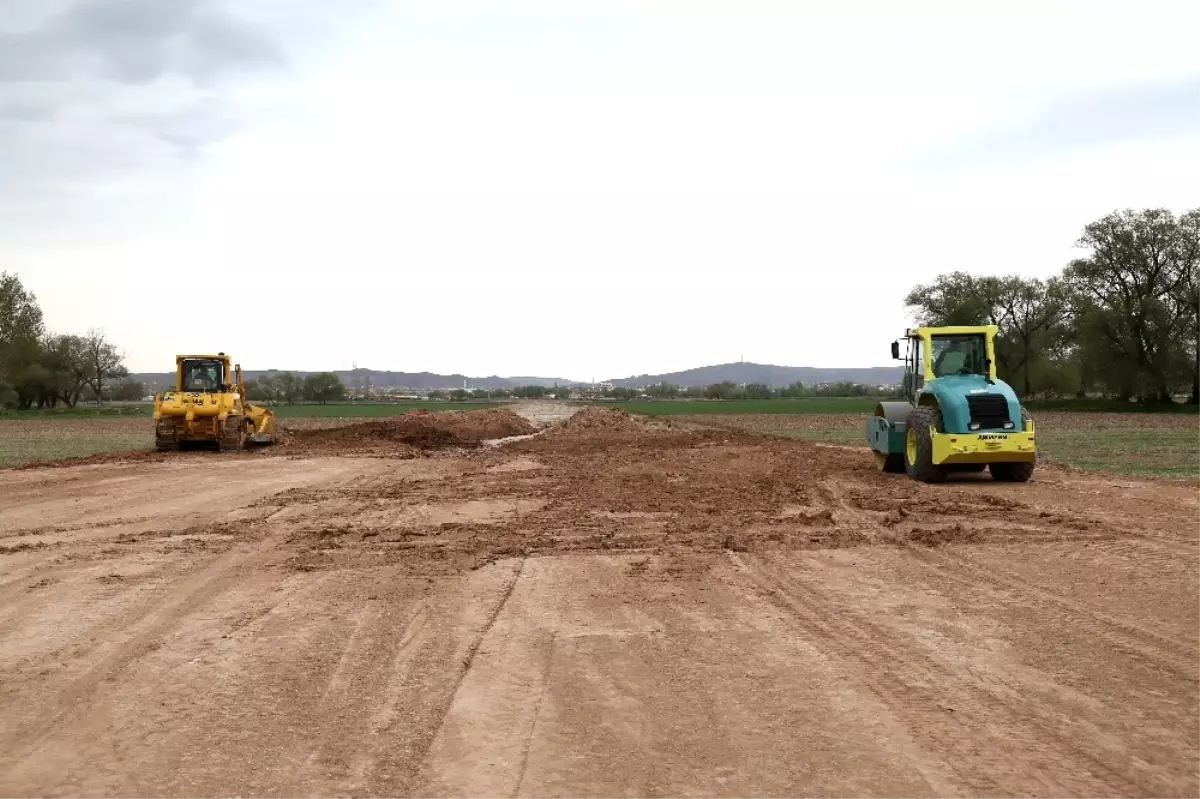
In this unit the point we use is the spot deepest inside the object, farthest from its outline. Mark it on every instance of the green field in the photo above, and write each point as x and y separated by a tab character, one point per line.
787	406
81	411
300	410
1154	451
38	438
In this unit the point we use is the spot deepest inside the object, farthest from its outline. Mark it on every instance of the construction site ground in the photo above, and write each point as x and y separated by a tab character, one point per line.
610	607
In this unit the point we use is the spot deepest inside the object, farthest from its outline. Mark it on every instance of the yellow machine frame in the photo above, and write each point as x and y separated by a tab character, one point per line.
202	416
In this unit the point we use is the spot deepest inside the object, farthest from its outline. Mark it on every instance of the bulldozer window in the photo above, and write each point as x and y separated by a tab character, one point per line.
202	375
959	355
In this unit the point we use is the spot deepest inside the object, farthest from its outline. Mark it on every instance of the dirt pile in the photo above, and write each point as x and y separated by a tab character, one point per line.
415	431
599	423
593	418
481	425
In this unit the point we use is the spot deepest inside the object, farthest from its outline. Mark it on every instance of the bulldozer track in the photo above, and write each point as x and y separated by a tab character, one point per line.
232	436
166	443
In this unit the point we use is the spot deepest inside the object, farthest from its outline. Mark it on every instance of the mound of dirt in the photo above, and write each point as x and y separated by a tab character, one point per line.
592	421
594	418
482	424
415	431
597	428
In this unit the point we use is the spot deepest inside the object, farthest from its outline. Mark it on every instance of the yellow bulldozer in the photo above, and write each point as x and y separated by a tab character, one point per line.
208	406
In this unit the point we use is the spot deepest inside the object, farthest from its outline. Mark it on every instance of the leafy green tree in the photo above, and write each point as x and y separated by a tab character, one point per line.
957	298
64	355
1185	301
35	384
323	387
1134	290
21	331
266	388
1123	318
480	394
663	390
724	390
794	391
460	395
759	391
290	387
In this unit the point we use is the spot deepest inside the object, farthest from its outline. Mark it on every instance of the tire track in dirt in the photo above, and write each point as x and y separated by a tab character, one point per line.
369	658
906	680
537	712
144	636
385	774
1132	639
487	627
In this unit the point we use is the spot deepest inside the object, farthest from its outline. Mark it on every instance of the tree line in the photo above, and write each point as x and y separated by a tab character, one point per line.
289	388
729	390
1121	321
42	369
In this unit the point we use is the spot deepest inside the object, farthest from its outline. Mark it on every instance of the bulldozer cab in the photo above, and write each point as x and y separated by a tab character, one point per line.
204	374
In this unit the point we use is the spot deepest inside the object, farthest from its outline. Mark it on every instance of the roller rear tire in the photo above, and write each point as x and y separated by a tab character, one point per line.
1012	472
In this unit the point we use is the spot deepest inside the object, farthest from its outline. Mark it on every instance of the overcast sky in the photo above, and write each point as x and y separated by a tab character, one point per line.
565	189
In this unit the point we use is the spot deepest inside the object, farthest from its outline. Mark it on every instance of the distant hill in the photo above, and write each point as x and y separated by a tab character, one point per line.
353	377
774	376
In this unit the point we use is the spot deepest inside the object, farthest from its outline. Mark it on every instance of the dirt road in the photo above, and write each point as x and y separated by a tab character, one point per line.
606	609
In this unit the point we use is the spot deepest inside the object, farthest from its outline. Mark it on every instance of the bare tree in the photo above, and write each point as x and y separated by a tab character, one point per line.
101	361
1031	310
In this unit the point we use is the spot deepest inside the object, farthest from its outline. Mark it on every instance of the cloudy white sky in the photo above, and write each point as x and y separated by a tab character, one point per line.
570	189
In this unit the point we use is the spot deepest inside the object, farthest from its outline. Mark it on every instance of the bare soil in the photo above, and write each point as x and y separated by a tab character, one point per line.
612	607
